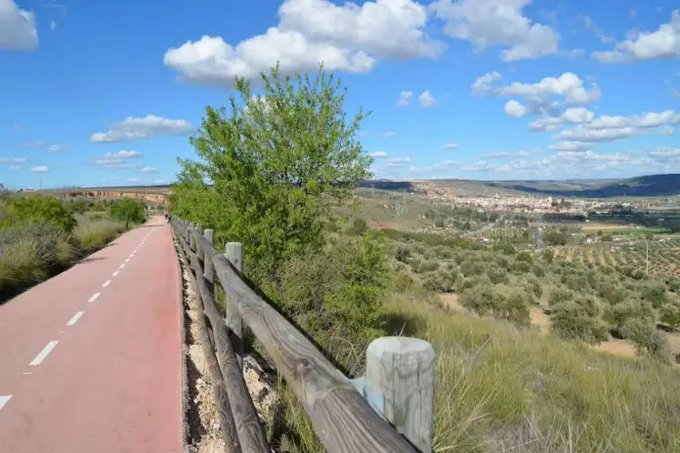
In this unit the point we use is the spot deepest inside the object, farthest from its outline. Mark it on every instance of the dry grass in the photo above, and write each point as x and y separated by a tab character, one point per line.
500	388
93	234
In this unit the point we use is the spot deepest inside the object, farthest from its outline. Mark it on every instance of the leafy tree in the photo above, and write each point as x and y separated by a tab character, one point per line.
38	209
128	211
270	167
555	237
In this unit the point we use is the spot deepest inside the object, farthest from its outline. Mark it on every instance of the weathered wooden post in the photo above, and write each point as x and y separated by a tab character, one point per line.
208	270
233	251
399	384
192	245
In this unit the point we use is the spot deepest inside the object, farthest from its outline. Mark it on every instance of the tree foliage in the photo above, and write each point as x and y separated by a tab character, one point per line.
270	166
128	211
38	209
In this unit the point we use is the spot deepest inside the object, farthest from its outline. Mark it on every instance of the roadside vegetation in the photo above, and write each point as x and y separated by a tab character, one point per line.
282	164
42	235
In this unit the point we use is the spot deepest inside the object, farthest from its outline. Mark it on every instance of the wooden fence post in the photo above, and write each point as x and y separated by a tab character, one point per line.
192	244
208	268
400	381
233	251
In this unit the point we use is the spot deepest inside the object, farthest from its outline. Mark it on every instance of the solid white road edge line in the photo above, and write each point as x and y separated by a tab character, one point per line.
75	318
93	297
42	355
106	283
4	399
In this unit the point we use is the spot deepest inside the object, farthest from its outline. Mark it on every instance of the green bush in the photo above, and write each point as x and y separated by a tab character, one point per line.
654	293
645	336
402	253
500	302
571	321
670	314
617	315
559	295
128	211
336	294
92	234
38	209
555	237
440	281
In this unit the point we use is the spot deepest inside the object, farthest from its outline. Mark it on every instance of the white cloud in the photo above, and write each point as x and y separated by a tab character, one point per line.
149	170
56	148
570	146
378	154
17	27
15	160
573	115
544	97
132	128
126	154
665	153
651	119
515	109
450	146
404	98
398	161
390	134
662	43
53	25
40	169
348	38
488	23
584	134
506	154
426	99
15	167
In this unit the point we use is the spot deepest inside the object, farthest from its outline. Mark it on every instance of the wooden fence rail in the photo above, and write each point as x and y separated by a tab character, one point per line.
388	410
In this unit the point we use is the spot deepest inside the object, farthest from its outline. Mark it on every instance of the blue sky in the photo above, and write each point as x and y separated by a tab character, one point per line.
107	93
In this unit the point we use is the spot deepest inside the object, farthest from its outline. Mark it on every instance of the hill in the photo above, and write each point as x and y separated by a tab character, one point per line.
642	186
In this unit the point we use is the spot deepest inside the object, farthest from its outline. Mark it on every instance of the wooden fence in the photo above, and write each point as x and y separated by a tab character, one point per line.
390	409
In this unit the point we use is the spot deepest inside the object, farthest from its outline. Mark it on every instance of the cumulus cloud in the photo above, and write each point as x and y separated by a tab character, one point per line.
17	27
15	167
426	99
542	96
40	169
488	23
149	170
390	134
515	109
348	38
573	115
662	43
450	146
378	154
14	160
132	128
404	98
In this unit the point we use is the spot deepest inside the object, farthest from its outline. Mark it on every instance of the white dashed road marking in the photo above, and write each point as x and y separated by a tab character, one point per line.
106	283
127	260
42	355
4	399
114	274
93	297
121	266
75	318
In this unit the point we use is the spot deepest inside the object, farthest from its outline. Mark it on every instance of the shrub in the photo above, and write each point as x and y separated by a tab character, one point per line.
403	253
500	302
336	294
645	336
548	255
472	267
92	234
670	314
38	209
654	292
497	274
559	295
440	281
525	257
555	237
571	321
617	315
